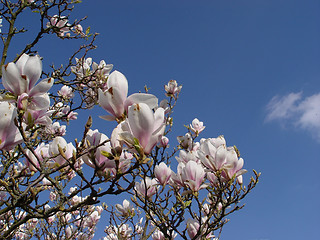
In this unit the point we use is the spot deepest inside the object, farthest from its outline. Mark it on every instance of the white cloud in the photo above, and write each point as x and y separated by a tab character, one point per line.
304	113
282	107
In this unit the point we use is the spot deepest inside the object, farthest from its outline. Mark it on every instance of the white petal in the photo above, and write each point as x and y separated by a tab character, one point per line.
149	99
42	87
12	79
117	79
33	70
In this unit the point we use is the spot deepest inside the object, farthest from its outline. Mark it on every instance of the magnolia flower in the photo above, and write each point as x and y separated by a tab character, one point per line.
163	173
214	155
65	112
66	92
196	126
186	156
125	209
217	160
33	160
114	99
66	148
98	160
102	70
233	166
144	125
147	187
172	88
185	141
41	117
20	78
55	129
164	141
9	133
78	29
193	175
192	227
61	23
158	235
92	219
82	67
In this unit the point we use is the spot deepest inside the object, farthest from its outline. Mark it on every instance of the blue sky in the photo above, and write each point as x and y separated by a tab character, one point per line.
249	70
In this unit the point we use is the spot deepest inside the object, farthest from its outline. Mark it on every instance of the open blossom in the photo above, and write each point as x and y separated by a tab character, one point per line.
66	92
114	99
82	67
233	166
78	29
214	155
146	187
55	129
124	231
193	175
163	173
185	141
92	219
33	160
9	133
65	112
67	149
172	88
60	22
102	70
97	159
20	79
158	235
143	124
192	227
125	209
196	126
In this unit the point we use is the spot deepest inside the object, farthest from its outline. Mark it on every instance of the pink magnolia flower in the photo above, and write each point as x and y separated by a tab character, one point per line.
67	149
114	99
61	23
9	133
92	219
164	141
192	227
163	173
41	117
172	88
125	209
78	29
102	70
56	129
158	235
214	155
98	160
193	175
66	92
233	166
82	67
186	156
33	160
185	141
197	126
20	79
147	187
215	161
143	124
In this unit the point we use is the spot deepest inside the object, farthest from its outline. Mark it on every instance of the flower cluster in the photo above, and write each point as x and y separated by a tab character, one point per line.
189	199
91	76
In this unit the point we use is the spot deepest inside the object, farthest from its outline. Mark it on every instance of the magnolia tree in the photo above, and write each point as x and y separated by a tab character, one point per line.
54	189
